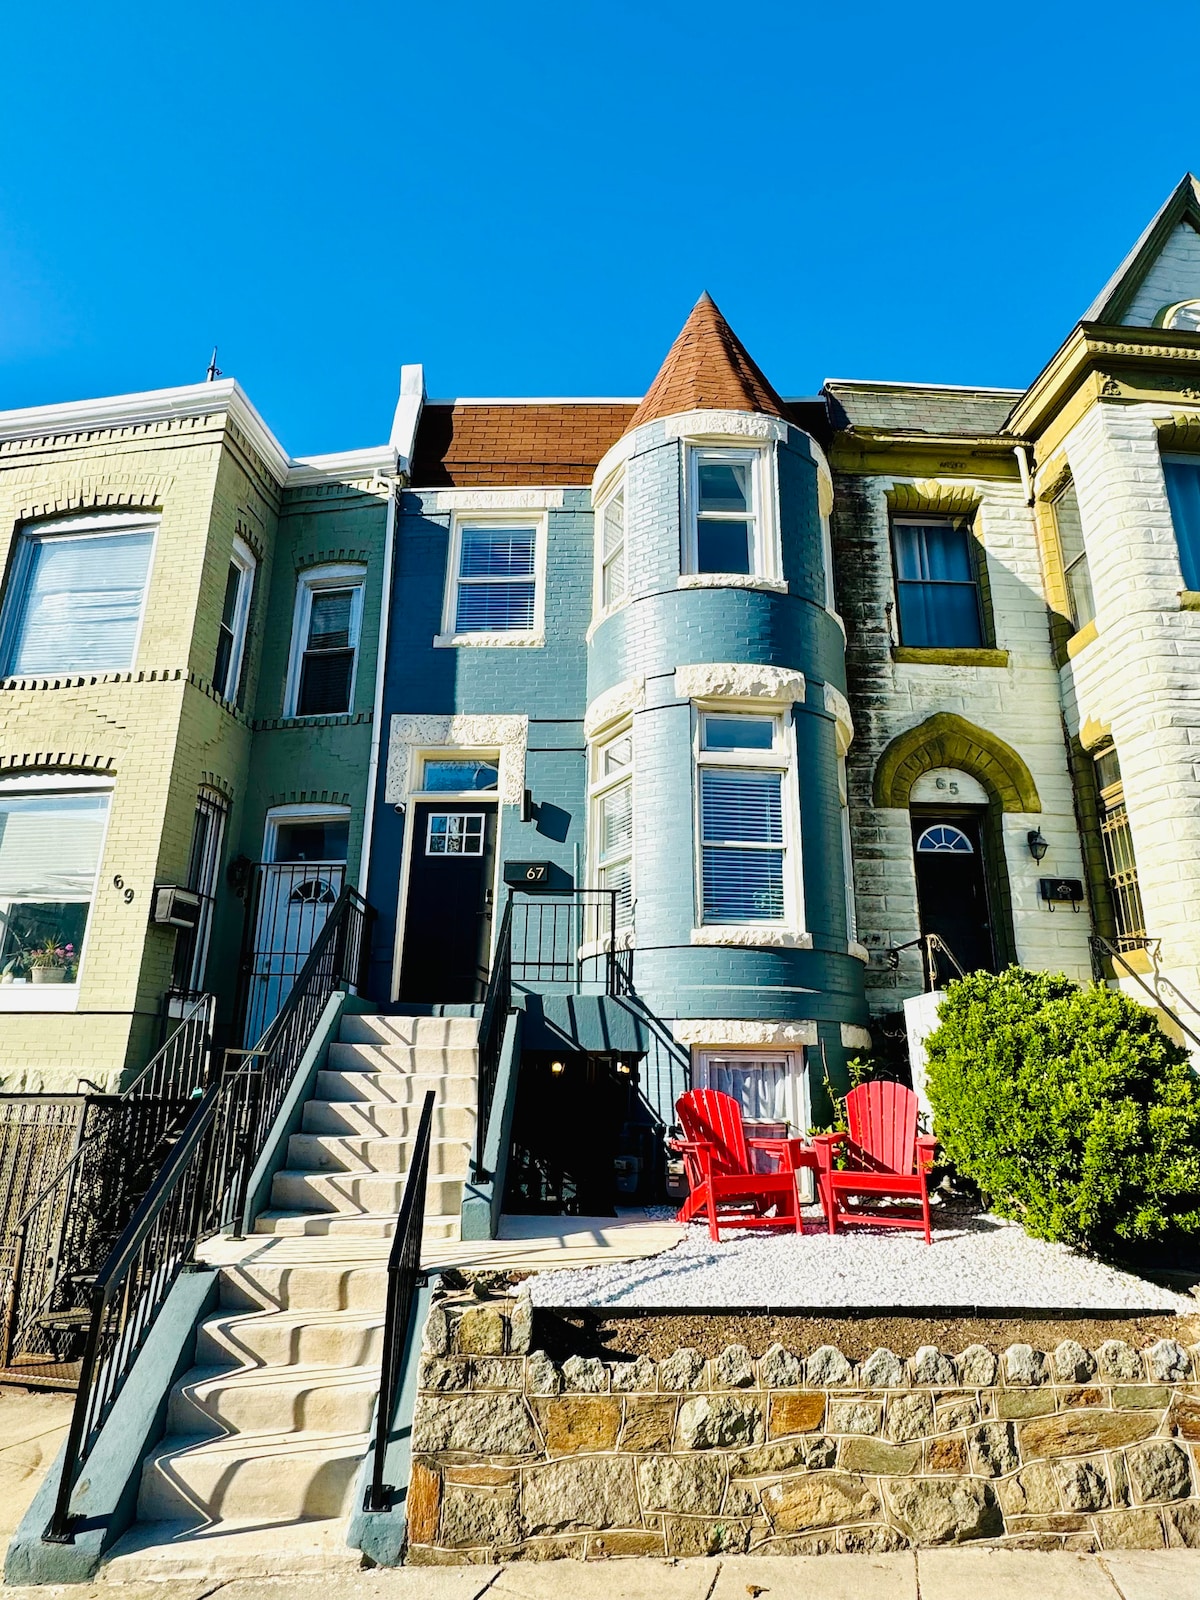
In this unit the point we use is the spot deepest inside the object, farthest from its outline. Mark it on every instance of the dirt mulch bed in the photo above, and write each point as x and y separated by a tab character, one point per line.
563	1334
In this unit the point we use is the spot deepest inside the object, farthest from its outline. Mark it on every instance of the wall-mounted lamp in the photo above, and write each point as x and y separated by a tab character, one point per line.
1037	845
556	1067
623	1067
528	809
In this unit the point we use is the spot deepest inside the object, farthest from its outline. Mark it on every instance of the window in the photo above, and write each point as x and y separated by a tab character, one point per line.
1183	494
453	833
329	605
1119	862
314	838
1074	557
743	827
612	550
75	596
454	775
495	579
50	844
1184	315
203	877
235	615
944	840
936	586
827	560
768	1087
612	820
727	532
847	851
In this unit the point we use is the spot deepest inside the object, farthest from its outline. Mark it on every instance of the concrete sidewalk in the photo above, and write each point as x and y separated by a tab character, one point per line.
957	1574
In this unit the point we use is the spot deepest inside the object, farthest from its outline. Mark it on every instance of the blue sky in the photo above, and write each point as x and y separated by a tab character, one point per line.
529	198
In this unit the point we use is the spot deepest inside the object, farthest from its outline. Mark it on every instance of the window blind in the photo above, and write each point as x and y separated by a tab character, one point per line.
79	603
50	845
613	562
741	818
496	586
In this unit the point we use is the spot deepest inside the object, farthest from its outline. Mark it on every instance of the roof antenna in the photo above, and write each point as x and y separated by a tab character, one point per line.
214	371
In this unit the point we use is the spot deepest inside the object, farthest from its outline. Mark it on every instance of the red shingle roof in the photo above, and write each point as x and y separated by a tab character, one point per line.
540	443
707	368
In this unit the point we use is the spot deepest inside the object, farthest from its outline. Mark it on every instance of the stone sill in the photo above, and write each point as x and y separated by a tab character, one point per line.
488	641
1080	641
1189	600
39	997
732	580
752	936
913	655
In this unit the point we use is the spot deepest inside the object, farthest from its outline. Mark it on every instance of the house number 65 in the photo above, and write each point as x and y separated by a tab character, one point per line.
119	883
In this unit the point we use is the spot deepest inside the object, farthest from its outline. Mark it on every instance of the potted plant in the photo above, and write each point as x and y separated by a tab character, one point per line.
50	962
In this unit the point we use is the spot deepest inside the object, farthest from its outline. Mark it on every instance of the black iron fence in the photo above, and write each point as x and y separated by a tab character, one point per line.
201	1188
60	1236
289	904
404	1278
570	939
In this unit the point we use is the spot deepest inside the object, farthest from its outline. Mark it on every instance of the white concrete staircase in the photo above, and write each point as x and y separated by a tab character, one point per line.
266	1432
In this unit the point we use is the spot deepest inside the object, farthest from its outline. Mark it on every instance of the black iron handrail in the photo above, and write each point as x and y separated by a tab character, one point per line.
930	945
1102	946
404	1278
64	1233
497	1004
201	1188
570	938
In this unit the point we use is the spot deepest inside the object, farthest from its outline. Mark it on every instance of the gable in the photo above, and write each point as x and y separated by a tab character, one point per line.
1175	275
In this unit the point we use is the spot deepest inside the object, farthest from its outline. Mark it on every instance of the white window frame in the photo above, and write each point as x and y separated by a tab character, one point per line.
534	636
780	758
302	812
84	525
601	607
244	559
341	575
797	1078
59	996
601	784
764	553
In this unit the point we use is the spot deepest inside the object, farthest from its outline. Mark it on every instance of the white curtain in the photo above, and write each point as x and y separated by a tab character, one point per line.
50	845
81	600
762	1086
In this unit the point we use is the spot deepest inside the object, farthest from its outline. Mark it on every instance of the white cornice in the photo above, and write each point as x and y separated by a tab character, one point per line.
344	464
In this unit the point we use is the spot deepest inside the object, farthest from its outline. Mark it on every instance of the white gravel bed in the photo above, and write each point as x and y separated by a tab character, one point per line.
974	1262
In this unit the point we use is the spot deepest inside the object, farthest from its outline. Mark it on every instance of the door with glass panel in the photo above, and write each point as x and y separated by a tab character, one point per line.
952	889
297	888
448	915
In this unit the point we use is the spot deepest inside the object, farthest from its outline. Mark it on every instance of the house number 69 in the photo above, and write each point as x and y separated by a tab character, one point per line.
119	883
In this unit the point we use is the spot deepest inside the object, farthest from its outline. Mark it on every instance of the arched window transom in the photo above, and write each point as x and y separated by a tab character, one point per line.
942	839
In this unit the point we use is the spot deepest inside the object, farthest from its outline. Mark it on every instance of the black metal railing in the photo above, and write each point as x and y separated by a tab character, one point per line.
404	1278
931	946
1118	956
202	1188
60	1238
571	939
191	1197
497	1005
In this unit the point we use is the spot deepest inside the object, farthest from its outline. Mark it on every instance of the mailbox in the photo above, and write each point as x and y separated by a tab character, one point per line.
1061	891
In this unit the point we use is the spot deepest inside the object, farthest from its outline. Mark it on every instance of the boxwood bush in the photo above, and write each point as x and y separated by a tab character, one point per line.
1068	1107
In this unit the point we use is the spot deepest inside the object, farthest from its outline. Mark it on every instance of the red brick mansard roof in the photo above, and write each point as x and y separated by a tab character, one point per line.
535	443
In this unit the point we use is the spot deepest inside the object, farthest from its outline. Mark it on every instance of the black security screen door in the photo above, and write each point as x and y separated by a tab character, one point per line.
447	925
952	890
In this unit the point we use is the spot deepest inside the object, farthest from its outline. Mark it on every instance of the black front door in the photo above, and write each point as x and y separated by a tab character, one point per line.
447	925
952	889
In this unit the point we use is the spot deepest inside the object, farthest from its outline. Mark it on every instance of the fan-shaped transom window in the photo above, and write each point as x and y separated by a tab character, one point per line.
942	839
1184	315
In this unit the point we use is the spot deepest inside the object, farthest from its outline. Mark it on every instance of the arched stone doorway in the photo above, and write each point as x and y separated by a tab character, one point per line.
956	781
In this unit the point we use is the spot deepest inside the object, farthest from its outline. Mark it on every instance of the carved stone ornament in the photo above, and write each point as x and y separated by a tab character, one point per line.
507	735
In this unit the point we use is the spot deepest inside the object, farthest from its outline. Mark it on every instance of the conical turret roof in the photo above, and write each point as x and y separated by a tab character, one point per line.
708	368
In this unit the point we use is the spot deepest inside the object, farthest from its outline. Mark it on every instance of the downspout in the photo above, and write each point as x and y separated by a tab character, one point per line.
385	612
1021	451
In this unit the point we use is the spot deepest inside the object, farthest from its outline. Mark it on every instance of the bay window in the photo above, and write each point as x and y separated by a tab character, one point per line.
728	527
744	818
1183	495
1069	526
50	844
611	795
75	596
612	550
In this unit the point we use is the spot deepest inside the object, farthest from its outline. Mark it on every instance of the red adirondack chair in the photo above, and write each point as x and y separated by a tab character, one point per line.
884	1157
717	1159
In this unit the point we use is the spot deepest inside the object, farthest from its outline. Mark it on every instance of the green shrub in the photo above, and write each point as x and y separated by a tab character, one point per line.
1068	1107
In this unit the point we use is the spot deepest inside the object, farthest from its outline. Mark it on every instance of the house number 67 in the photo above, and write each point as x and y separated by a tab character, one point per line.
119	883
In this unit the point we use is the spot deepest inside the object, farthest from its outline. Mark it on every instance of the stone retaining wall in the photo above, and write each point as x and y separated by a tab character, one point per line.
515	1456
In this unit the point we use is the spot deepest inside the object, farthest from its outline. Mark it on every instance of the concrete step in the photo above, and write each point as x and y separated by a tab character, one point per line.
324	1152
435	1033
384	1119
261	1286
403	1058
276	1476
331	1224
349	1192
211	1401
190	1550
247	1341
398	1088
